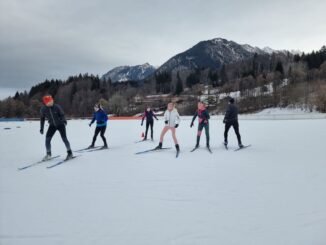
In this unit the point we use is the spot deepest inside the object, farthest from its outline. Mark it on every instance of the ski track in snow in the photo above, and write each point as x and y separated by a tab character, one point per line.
273	192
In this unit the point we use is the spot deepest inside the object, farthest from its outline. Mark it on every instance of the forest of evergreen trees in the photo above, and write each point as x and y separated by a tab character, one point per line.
295	80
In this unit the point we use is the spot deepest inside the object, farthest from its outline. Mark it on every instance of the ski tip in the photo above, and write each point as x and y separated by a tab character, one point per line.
241	148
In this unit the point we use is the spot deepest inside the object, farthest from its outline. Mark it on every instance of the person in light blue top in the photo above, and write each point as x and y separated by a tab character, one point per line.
101	118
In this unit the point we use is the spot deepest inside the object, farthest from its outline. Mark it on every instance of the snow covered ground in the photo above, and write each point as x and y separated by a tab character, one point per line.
271	193
285	111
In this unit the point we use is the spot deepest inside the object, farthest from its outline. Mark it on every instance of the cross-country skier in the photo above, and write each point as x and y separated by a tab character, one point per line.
101	119
149	115
57	121
172	120
231	120
203	117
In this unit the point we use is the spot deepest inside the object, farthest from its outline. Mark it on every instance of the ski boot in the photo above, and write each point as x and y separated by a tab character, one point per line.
69	155
241	145
91	146
159	146
104	147
47	157
177	148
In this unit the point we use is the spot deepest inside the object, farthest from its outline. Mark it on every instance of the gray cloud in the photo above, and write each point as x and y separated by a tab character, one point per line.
57	38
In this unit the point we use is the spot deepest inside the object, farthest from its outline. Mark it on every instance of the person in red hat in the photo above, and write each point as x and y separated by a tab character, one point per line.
57	121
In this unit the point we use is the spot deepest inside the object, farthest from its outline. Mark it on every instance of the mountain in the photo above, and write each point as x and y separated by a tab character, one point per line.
129	73
212	53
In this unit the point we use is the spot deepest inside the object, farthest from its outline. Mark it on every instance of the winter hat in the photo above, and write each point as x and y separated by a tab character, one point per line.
47	99
231	100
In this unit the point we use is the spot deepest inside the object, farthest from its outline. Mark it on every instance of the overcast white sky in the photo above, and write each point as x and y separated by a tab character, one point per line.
42	39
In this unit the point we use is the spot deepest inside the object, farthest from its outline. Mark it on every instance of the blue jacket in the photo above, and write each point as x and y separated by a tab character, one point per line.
101	118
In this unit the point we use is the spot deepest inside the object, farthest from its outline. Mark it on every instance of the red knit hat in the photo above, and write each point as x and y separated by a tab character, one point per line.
47	99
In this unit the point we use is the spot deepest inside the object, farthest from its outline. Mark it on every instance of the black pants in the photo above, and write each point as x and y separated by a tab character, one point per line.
235	126
51	131
97	131
149	123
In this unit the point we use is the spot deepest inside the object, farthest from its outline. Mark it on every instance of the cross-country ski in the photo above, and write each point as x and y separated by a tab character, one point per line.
62	161
207	148
152	150
87	149
242	147
38	162
98	149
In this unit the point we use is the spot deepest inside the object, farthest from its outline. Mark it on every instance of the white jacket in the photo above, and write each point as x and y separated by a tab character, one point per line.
172	117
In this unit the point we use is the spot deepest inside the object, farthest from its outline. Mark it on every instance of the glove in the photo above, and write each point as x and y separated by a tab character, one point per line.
224	121
141	124
192	124
90	124
65	123
41	131
177	125
166	122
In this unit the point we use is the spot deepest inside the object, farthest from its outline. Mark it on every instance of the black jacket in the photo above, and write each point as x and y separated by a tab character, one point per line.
149	116
231	114
54	114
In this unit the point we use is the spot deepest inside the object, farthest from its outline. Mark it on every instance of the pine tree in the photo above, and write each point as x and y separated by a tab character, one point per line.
17	96
223	75
179	85
279	68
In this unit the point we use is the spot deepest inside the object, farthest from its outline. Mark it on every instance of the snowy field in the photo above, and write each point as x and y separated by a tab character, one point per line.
273	193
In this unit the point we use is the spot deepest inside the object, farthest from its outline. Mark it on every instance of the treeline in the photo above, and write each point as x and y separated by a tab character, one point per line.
77	95
276	80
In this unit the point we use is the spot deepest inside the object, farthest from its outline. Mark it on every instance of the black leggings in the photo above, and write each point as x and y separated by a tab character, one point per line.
235	125
102	131
149	123
51	131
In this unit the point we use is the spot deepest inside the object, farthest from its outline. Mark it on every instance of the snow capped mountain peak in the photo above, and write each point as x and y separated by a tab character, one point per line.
252	49
217	40
206	54
129	73
211	53
269	50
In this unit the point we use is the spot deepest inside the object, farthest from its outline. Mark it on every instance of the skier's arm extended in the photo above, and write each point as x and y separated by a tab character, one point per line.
106	118
193	119
177	119
93	119
154	115
166	117
143	117
42	121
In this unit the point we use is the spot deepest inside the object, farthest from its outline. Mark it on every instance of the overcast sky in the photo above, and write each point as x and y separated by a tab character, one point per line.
42	39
